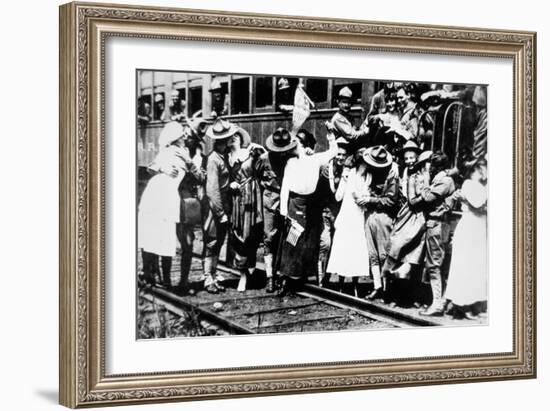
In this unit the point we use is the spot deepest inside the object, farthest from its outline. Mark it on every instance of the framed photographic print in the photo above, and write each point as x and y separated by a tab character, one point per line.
260	204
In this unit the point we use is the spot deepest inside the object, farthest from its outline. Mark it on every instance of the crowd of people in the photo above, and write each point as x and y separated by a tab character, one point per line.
376	204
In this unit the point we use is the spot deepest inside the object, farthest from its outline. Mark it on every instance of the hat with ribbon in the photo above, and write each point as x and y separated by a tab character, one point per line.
378	157
170	133
221	129
280	141
411	146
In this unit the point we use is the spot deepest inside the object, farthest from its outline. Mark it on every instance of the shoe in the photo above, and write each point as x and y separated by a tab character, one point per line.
219	286
470	316
270	286
283	288
181	289
432	312
212	289
375	294
242	283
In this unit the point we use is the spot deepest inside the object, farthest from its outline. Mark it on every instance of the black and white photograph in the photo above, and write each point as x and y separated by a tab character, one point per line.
281	204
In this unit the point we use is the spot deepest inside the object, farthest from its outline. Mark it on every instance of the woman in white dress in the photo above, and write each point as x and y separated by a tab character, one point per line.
159	208
349	256
467	284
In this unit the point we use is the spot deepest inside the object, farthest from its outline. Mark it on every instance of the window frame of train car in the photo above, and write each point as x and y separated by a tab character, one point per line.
84	27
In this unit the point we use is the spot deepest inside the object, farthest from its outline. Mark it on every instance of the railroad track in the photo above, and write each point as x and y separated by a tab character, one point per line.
312	309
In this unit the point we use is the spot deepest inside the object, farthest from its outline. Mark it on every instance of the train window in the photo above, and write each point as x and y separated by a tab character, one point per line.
219	97
317	89
159	106
195	99
240	93
356	90
284	96
264	92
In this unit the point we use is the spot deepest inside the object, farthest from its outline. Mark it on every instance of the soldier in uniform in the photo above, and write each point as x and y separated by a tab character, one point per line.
436	200
193	200
380	205
219	200
342	122
269	170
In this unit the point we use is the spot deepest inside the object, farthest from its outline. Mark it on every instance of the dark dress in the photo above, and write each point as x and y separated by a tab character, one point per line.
246	215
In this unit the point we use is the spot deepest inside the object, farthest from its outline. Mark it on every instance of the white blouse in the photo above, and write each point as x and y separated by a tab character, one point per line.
301	174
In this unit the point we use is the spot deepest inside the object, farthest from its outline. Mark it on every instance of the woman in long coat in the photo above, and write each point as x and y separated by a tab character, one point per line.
246	214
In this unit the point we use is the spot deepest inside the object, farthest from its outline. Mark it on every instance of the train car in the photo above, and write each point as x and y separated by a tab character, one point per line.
259	104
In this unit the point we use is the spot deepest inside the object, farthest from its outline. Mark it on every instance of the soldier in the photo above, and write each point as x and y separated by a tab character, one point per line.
219	200
342	122
436	200
220	99
176	108
380	205
193	200
269	169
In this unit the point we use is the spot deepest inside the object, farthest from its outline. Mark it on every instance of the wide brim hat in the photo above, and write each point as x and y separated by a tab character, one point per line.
221	129
378	157
424	156
411	146
170	133
280	141
245	137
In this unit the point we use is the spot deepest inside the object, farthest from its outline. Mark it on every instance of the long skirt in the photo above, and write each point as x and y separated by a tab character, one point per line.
349	256
300	260
158	213
408	236
467	282
246	224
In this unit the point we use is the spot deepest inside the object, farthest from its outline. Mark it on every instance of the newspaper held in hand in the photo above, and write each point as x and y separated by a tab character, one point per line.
294	232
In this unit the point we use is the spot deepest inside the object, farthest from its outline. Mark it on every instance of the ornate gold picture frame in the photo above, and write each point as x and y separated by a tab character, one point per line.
84	30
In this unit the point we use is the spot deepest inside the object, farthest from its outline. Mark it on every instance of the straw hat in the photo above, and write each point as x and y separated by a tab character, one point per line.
411	146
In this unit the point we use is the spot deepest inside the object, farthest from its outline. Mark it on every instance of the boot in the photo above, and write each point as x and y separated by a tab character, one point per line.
270	286
320	271
437	308
378	287
268	262
209	283
166	272
218	278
